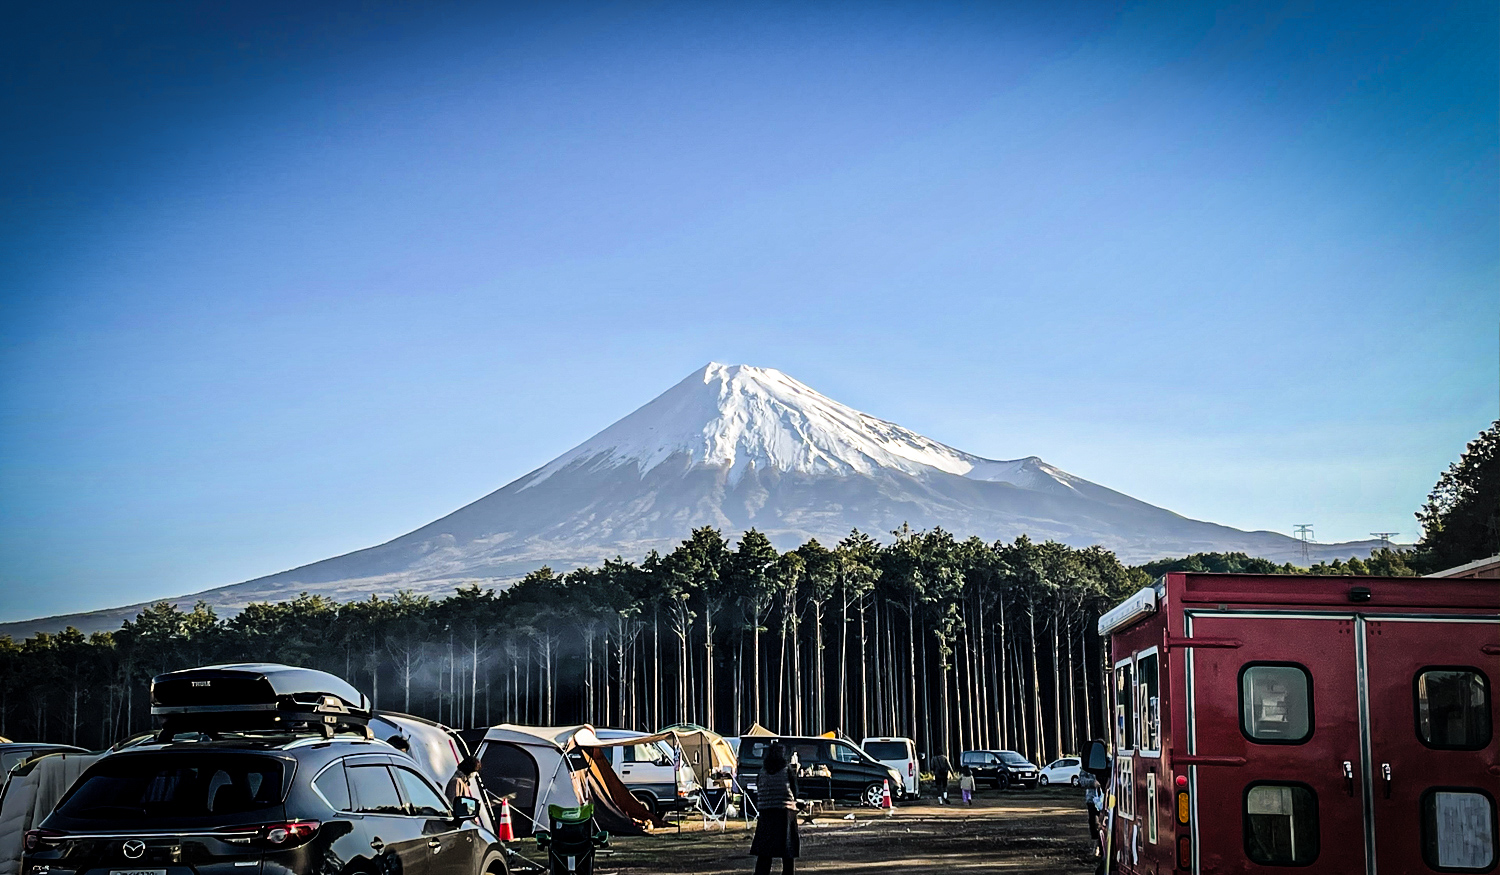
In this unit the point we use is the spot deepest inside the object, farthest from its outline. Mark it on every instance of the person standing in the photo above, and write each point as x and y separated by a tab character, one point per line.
776	828
942	770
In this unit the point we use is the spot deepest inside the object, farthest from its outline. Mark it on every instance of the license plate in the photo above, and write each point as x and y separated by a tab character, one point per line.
137	872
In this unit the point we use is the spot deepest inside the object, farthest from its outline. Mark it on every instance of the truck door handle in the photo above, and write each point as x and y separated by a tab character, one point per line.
1385	772
1349	777
377	844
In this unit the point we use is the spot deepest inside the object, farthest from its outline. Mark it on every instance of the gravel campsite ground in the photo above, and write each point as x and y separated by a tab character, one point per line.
1042	831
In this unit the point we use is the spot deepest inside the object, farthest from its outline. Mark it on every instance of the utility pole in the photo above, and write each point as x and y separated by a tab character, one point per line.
1304	533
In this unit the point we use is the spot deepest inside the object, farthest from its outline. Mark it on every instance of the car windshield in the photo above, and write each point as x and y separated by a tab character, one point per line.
1013	758
128	788
887	750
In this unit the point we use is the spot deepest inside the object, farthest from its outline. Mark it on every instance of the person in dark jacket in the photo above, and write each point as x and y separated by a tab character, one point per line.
776	829
942	770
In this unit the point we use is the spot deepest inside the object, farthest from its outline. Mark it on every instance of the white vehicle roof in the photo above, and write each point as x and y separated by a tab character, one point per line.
887	738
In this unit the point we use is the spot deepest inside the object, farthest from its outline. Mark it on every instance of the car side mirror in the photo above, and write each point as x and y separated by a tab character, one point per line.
1095	761
465	808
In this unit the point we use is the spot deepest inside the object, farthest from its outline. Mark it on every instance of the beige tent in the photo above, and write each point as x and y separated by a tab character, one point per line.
31	791
706	751
756	729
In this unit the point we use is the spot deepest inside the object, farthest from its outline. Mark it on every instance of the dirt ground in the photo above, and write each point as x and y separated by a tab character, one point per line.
1040	831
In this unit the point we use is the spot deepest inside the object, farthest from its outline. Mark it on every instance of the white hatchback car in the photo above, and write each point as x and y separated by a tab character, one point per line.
1063	771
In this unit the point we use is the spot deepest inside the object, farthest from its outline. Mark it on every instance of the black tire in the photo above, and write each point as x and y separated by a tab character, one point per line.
649	801
1042	781
1074	781
874	796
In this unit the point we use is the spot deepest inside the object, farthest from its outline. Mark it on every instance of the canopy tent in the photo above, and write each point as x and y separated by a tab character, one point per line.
31	791
756	729
560	765
706	751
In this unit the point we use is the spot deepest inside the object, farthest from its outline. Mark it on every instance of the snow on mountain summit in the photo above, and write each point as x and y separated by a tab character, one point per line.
743	417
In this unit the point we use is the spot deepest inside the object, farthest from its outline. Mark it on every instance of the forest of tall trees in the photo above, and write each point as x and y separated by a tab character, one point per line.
956	643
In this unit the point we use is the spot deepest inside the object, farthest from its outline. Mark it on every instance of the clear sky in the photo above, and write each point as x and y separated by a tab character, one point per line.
282	280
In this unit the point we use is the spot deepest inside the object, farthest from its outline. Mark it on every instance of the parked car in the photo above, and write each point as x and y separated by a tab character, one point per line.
1061	771
652	771
291	805
901	755
1001	768
852	773
16	752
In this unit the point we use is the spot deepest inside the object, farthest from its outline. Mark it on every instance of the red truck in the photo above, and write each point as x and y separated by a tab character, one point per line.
1333	724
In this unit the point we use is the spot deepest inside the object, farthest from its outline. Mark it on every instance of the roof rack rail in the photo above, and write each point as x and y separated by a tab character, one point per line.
257	696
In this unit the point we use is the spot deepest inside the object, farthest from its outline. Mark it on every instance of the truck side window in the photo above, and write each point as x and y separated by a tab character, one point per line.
1148	680
1125	716
1453	708
1276	703
1281	824
1458	829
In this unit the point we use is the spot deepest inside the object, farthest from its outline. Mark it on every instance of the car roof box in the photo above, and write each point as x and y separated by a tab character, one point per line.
256	696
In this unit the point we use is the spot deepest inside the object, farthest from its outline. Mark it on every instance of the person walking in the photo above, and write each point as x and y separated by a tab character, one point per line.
942	770
966	785
776	828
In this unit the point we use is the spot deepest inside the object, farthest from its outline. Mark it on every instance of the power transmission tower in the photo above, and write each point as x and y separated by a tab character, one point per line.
1304	533
1385	538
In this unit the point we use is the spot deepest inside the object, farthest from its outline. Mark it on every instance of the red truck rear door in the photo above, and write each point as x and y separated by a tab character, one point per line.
1434	755
1275	745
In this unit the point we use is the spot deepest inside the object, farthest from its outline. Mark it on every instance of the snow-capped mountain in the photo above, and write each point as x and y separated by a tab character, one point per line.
739	447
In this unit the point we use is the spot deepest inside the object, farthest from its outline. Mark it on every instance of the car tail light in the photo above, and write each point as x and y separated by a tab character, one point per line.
911	768
36	837
1184	852
282	834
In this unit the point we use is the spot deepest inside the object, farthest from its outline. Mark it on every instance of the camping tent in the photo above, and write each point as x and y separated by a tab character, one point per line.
31	791
705	750
558	765
757	729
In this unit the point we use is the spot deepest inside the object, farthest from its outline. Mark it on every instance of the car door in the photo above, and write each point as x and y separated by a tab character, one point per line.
1275	746
452	849
640	770
1435	757
398	843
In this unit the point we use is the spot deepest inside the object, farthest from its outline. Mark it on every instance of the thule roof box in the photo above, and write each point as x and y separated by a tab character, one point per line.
257	696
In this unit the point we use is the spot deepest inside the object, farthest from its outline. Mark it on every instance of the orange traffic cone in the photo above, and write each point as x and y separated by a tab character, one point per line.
506	833
885	796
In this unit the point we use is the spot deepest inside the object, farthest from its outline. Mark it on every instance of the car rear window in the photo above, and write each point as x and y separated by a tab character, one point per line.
169	786
887	750
1013	758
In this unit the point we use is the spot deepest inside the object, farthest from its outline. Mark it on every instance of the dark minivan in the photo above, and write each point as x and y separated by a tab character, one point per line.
302	806
1001	768
851	773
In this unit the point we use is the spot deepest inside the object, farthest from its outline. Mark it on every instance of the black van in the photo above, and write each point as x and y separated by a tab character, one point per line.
851	773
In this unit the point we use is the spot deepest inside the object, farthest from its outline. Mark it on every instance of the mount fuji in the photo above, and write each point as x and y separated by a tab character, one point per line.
736	447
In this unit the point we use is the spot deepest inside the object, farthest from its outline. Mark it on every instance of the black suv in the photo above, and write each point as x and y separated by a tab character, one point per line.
260	805
851	773
1002	768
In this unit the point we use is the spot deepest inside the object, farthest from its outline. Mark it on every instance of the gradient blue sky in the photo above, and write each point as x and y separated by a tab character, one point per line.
279	281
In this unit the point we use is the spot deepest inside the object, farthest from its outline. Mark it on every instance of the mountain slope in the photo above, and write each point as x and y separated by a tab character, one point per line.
736	447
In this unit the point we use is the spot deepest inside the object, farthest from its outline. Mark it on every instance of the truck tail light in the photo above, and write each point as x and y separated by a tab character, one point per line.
1184	852
1182	807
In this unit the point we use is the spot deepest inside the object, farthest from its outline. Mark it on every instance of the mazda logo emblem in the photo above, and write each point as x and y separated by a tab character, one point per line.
134	849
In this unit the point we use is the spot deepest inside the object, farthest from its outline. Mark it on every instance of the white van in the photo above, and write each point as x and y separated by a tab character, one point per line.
652	771
898	753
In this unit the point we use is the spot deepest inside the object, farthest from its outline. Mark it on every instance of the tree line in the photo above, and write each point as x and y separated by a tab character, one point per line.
956	643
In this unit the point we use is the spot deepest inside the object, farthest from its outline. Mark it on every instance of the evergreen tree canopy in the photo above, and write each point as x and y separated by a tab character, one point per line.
1461	519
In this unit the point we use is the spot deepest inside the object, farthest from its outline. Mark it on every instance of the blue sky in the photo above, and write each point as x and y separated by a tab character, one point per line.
277	283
